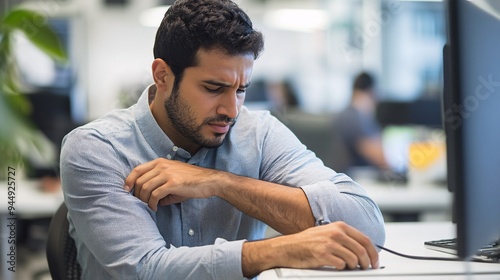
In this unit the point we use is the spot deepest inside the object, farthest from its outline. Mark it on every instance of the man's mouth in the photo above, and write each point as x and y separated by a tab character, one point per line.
221	128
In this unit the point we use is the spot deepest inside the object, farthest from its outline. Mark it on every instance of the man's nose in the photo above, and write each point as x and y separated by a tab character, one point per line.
229	105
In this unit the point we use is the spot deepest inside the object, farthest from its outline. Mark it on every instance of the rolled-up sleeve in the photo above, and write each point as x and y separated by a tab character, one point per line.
116	234
341	199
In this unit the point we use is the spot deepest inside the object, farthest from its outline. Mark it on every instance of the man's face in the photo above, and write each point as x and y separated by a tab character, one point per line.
208	99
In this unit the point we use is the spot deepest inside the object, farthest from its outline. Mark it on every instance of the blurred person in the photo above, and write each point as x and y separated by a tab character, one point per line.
358	130
183	184
282	96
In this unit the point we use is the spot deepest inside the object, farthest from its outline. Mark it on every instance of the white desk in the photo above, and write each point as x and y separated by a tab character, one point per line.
30	202
401	199
407	238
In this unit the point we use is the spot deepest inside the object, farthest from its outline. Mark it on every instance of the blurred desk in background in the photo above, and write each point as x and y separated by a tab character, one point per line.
29	202
400	202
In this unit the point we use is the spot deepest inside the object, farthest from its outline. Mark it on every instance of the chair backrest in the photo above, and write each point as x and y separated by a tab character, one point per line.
313	130
319	133
340	156
61	249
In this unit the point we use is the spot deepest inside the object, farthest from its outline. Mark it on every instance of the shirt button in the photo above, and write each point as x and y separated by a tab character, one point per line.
175	148
169	156
191	232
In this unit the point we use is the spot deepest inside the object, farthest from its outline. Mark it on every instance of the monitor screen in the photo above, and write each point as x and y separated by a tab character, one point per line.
472	120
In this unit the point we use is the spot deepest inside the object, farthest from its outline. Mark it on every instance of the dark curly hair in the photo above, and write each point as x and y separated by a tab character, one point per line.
191	25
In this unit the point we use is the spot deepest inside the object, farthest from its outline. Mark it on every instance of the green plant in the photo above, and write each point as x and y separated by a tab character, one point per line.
18	137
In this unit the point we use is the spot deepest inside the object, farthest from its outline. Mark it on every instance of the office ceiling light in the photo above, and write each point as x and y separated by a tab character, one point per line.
305	20
153	17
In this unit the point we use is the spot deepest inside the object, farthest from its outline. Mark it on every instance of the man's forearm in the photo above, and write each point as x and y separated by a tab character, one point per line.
281	251
286	209
256	257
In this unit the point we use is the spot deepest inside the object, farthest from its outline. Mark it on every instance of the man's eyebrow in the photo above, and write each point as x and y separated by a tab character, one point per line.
222	84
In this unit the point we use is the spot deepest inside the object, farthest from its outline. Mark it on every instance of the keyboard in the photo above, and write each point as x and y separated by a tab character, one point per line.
488	253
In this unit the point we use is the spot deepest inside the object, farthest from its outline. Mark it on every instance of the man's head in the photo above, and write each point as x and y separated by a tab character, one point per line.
363	82
191	25
363	92
204	53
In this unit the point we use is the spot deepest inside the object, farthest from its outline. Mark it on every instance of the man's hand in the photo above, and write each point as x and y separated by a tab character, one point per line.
337	244
165	182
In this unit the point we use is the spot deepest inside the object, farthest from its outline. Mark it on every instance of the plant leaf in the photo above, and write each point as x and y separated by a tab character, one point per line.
34	26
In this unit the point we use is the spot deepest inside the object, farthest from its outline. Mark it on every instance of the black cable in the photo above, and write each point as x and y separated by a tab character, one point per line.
417	257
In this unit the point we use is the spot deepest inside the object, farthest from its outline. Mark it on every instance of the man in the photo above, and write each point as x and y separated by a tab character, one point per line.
358	130
182	184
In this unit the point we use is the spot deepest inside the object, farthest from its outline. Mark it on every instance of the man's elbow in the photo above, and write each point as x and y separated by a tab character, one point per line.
377	234
375	228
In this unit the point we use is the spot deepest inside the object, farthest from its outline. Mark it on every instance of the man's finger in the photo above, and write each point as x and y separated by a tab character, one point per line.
147	184
368	247
351	260
137	172
171	199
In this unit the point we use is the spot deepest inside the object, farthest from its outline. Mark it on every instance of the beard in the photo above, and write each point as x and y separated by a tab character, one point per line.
183	120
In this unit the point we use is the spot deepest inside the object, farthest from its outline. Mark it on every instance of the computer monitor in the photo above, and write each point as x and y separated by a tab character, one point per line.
472	120
410	113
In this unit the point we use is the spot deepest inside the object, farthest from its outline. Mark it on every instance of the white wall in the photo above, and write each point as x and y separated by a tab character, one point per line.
119	53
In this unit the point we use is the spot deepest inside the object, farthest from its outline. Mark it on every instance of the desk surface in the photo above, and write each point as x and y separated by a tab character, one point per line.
407	238
30	201
409	198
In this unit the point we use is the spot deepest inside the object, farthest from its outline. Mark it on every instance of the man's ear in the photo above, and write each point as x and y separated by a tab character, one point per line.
161	73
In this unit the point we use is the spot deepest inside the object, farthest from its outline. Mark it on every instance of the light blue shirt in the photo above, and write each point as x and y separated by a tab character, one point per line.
119	237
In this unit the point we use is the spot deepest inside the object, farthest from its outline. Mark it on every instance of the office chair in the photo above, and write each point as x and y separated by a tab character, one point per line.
61	249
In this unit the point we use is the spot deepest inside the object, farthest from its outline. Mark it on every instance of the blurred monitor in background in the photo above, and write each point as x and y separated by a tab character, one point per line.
421	112
51	114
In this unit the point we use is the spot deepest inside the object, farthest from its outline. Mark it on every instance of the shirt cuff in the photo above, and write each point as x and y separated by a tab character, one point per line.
317	194
227	257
